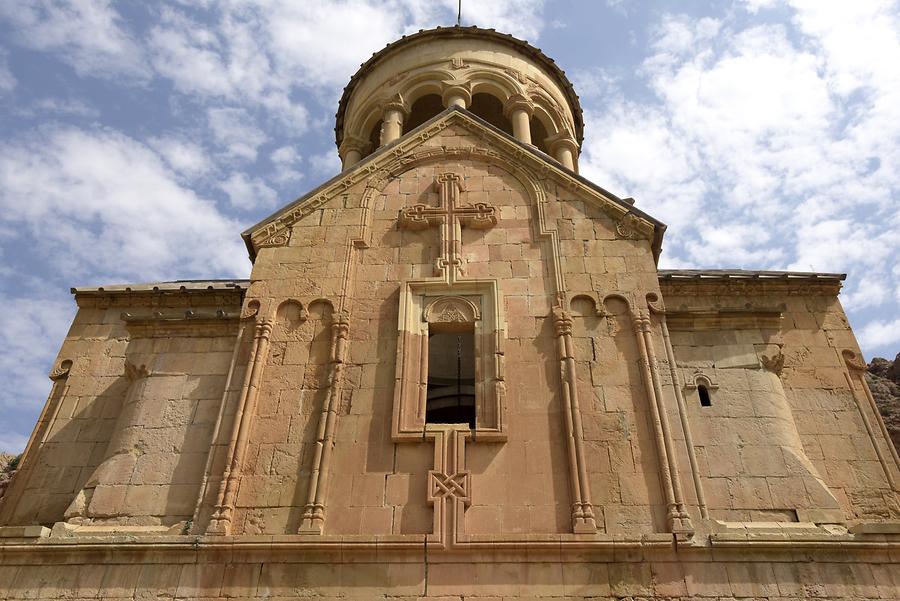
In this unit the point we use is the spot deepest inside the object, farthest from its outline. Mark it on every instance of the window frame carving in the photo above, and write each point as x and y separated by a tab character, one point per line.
427	303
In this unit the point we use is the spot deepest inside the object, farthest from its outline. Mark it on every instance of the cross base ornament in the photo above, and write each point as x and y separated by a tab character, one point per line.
441	485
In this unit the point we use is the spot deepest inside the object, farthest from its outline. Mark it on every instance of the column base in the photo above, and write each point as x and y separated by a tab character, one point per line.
313	520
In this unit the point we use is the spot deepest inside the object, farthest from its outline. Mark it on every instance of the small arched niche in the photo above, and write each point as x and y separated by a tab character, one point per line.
490	108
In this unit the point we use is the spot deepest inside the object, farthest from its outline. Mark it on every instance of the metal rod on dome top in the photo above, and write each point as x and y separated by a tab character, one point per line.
459	14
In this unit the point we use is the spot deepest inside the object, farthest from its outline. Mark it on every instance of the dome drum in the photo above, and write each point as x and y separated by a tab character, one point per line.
500	79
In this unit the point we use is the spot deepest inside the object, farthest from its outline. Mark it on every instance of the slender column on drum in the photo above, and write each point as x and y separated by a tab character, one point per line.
519	110
457	93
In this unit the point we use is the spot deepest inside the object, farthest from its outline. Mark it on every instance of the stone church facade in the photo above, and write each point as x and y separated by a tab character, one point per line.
457	372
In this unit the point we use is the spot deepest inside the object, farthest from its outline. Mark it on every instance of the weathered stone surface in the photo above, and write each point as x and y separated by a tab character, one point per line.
621	433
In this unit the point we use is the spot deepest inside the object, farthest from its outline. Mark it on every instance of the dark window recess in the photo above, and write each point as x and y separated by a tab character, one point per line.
490	109
703	393
451	378
422	110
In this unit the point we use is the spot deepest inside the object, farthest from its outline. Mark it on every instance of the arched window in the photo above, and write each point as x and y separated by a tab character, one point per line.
451	374
375	137
539	135
490	109
422	110
703	394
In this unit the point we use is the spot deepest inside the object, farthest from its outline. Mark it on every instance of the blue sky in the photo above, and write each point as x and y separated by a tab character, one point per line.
138	139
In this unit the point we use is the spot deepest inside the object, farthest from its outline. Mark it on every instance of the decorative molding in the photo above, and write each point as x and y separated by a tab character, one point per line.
773	363
715	287
700	378
628	227
427	302
376	173
188	315
853	360
456	485
451	309
251	309
136	372
457	63
450	217
61	370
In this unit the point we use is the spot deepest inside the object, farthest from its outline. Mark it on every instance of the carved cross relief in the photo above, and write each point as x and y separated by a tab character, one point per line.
451	216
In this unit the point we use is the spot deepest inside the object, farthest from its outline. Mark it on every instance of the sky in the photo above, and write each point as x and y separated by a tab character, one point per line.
138	139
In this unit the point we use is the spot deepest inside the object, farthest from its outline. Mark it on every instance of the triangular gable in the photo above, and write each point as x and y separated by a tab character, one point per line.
384	163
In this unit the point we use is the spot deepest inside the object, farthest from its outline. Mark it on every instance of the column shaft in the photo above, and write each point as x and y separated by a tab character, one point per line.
521	125
392	126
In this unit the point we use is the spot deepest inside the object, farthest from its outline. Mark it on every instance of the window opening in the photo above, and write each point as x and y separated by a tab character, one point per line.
539	135
703	393
422	110
451	377
490	109
375	137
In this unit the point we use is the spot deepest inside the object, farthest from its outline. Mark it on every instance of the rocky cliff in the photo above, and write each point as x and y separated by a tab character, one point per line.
8	464
884	380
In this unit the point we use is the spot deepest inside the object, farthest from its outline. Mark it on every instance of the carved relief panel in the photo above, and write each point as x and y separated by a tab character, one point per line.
470	311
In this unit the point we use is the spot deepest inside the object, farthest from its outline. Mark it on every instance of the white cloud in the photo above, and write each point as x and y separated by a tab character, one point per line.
7	79
767	147
326	164
104	205
285	160
71	107
880	334
189	54
182	155
31	330
236	131
248	194
869	292
755	6
86	34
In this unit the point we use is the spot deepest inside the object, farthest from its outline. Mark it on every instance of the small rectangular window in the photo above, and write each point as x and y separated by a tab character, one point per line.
451	374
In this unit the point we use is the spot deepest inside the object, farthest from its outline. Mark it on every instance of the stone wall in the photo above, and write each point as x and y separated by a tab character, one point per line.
790	431
661	574
125	435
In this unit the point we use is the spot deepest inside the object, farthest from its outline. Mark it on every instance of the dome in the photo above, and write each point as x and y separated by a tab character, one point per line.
501	79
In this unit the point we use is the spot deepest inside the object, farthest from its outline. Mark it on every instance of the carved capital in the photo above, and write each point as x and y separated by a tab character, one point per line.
395	103
456	87
562	321
340	325
518	102
563	139
350	143
263	330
